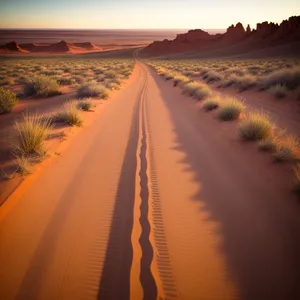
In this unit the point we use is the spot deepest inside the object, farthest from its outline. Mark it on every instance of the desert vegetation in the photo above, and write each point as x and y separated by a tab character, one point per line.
86	80
277	77
8	100
42	77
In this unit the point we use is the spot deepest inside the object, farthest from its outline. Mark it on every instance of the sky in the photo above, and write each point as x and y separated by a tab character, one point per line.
143	14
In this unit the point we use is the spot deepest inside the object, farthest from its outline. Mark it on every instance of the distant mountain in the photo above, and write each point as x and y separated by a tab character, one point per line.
61	47
236	40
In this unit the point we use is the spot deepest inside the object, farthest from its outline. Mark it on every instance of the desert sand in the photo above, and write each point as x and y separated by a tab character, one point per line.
155	200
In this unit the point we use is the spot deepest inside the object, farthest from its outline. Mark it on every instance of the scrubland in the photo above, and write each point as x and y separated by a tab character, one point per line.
210	81
39	95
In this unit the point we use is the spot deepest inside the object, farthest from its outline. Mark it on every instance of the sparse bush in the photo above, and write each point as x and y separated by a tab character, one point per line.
66	81
213	76
202	92
41	86
31	133
278	90
8	100
78	79
236	70
289	77
24	166
267	144
84	105
211	103
287	148
70	114
180	79
255	126
246	82
230	109
197	90
92	90
231	80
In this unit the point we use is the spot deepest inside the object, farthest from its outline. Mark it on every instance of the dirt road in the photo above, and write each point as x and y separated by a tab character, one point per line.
155	200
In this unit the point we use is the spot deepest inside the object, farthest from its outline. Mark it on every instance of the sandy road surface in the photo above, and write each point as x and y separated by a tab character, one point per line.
153	201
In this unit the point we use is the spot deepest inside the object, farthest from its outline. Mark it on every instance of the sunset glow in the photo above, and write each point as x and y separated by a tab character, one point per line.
134	14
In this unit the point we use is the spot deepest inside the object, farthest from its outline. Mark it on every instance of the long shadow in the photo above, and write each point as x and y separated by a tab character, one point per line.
260	231
115	279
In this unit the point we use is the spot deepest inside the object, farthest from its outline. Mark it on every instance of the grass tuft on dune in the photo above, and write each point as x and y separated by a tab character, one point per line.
230	109
31	132
255	126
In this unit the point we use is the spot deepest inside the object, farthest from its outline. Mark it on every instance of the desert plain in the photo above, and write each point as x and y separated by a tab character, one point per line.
156	164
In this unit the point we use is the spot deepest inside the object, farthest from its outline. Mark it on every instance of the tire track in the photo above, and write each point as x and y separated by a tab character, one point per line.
167	288
146	277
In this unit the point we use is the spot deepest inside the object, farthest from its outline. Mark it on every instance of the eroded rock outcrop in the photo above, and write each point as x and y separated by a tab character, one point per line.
266	34
12	47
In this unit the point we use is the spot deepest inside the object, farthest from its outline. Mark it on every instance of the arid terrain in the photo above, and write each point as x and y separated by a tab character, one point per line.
151	171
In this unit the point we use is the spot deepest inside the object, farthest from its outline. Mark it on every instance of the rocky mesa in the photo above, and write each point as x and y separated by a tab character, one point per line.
236	39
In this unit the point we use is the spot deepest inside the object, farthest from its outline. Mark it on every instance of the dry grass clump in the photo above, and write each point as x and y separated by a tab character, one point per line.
70	114
246	82
66	81
31	133
24	165
212	76
180	80
231	80
8	100
278	90
197	90
289	77
236	70
41	86
211	103
230	109
268	144
287	148
92	90
85	105
256	126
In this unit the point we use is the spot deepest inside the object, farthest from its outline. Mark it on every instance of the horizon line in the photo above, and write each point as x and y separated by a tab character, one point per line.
49	28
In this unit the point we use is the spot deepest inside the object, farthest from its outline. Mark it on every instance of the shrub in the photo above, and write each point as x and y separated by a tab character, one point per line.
8	100
180	80
231	109
92	90
41	86
255	126
32	133
202	92
70	114
236	70
278	90
246	82
287	148
84	105
289	77
211	103
78	79
213	76
232	79
66	81
197	90
268	144
169	76
24	166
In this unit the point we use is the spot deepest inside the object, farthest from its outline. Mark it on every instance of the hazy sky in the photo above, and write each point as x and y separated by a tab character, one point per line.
187	14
